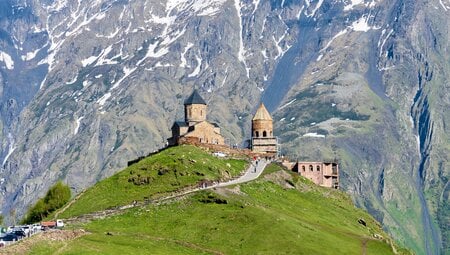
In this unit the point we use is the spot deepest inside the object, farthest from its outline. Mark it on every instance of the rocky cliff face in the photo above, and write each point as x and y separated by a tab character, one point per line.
89	85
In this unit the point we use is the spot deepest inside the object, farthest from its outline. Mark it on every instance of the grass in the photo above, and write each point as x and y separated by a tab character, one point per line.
263	218
271	168
126	244
165	172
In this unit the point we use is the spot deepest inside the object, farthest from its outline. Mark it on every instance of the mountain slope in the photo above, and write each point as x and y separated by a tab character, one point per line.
84	83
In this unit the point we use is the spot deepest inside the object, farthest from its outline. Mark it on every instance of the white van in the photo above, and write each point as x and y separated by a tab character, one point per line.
59	223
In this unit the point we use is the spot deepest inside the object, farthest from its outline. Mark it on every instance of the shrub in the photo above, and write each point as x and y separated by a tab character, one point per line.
56	197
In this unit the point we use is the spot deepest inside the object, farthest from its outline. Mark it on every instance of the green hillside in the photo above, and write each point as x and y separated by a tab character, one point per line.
156	176
280	213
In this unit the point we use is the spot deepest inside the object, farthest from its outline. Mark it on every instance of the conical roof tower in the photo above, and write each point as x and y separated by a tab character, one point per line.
263	140
194	98
262	123
262	113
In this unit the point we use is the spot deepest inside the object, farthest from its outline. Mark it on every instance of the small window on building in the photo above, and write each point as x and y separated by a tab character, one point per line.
264	133
190	112
271	134
318	168
257	134
311	168
201	112
303	168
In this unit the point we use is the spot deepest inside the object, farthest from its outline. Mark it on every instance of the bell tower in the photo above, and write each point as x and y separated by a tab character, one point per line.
262	123
194	109
263	140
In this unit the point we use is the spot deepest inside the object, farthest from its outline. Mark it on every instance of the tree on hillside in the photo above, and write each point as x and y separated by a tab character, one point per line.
56	197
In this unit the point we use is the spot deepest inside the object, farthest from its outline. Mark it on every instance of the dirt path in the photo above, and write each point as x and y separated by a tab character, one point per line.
364	246
252	173
68	204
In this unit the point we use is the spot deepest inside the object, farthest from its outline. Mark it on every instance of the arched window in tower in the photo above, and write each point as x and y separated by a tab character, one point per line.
189	112
311	168
201	112
303	168
256	133
271	134
264	133
318	168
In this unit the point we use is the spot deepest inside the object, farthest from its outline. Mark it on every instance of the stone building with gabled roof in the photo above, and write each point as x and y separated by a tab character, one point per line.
263	140
195	127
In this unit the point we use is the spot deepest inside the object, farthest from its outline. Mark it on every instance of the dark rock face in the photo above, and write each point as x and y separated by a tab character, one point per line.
87	86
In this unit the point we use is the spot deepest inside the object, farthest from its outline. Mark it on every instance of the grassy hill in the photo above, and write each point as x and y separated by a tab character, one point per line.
280	213
168	171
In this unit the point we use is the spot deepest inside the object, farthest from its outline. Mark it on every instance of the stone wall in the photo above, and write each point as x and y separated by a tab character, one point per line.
325	174
264	145
205	132
311	170
261	126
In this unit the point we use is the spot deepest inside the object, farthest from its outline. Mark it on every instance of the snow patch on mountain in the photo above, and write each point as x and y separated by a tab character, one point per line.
445	4
314	135
199	7
104	60
362	24
241	51
287	104
256	4
11	149
127	72
183	63
353	3
6	58
77	125
340	33
278	45
197	68
30	55
110	36
88	61
315	9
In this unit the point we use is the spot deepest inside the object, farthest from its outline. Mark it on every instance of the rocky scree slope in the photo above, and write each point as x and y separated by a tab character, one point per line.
85	83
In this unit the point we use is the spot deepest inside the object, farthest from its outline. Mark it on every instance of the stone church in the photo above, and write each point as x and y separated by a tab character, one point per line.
195	128
263	140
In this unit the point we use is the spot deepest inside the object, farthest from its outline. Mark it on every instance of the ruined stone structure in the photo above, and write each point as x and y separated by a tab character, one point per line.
325	174
263	140
195	128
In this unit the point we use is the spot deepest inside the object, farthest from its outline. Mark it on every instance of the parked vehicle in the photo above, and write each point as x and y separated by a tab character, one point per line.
52	224
36	227
59	223
10	237
45	225
20	233
27	230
